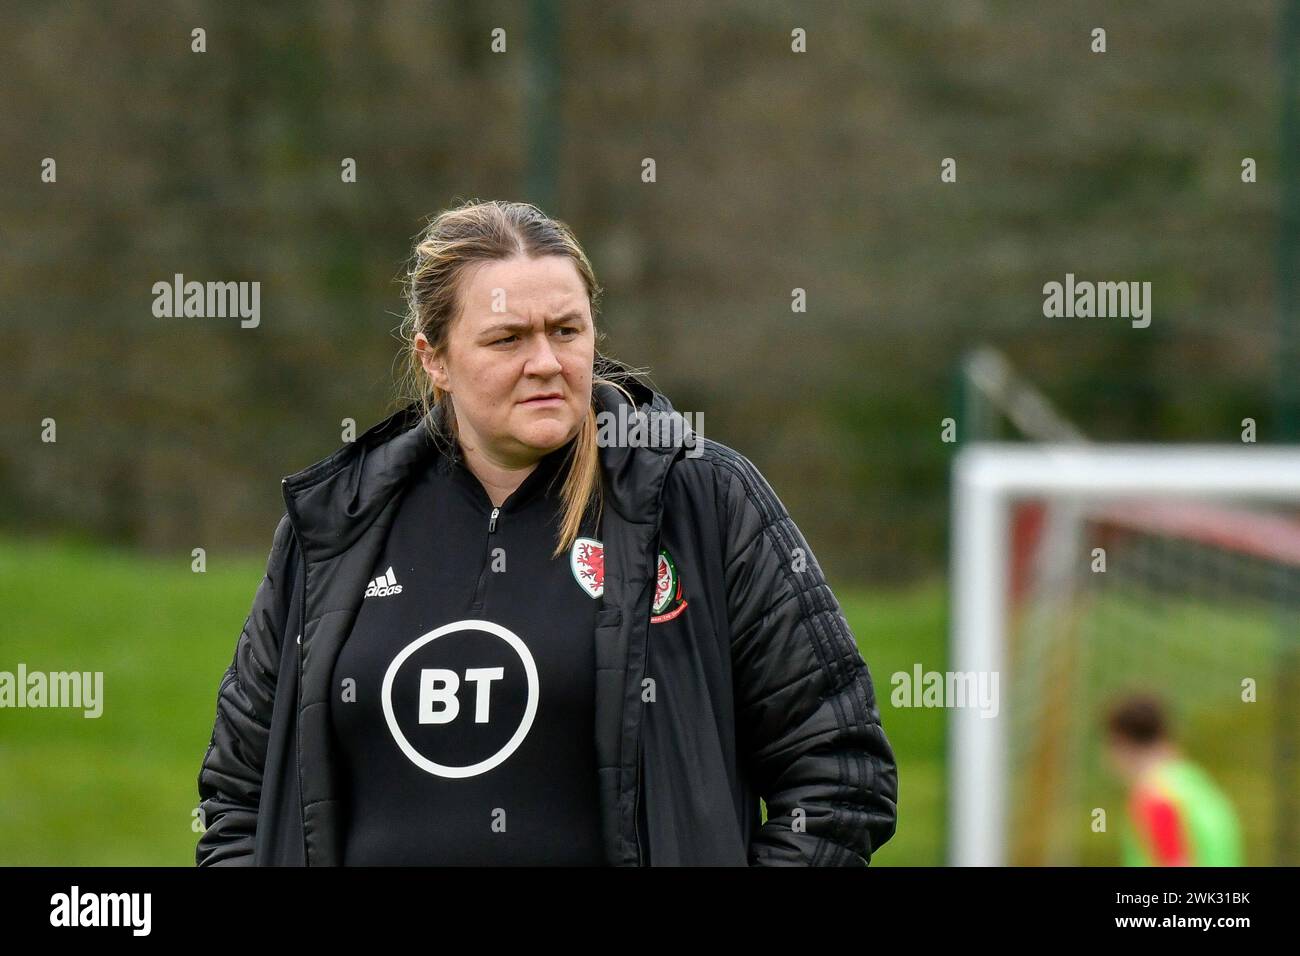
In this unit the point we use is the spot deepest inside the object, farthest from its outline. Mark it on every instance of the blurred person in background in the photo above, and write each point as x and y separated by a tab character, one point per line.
486	636
1175	814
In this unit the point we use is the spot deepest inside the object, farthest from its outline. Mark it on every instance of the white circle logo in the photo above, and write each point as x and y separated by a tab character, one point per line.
513	641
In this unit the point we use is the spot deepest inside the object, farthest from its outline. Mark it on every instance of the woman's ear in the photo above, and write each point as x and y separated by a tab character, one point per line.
433	363
438	374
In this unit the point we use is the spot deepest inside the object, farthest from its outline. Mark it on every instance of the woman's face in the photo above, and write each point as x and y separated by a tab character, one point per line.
518	361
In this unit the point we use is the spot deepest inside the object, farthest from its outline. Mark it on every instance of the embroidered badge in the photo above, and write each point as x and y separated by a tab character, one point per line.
668	602
587	561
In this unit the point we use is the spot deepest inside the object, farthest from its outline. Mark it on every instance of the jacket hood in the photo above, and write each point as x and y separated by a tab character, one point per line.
330	503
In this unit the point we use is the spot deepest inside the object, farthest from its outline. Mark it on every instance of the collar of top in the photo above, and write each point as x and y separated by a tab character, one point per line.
545	480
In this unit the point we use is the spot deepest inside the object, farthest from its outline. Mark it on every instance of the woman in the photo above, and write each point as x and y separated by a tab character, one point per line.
494	630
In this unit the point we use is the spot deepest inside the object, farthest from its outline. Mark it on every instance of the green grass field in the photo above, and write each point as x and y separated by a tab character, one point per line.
120	789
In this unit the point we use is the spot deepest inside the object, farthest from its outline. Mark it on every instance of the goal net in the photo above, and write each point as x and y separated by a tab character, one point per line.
1082	572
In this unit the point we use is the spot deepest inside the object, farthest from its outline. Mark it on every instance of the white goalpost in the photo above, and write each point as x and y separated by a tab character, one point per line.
1079	570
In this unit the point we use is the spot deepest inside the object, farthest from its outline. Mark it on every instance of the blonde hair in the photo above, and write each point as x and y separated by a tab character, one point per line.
474	232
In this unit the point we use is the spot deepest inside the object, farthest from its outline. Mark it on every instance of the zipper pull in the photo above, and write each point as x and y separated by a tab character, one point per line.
492	525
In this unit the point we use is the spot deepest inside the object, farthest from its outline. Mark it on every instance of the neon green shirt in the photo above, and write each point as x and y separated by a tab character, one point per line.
1178	816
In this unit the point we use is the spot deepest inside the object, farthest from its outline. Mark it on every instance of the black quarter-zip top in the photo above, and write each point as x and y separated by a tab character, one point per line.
463	698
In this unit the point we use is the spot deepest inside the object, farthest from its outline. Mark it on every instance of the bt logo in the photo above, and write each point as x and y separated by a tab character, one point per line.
439	685
427	708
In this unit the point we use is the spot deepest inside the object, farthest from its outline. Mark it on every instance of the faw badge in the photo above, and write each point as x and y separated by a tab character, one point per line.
668	591
587	561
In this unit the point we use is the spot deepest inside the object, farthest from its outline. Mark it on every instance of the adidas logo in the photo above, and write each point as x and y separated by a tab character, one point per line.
384	585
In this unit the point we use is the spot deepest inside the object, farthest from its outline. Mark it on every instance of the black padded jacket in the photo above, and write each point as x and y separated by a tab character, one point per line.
760	689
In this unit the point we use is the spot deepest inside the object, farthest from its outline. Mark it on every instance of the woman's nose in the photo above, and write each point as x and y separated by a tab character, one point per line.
543	360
